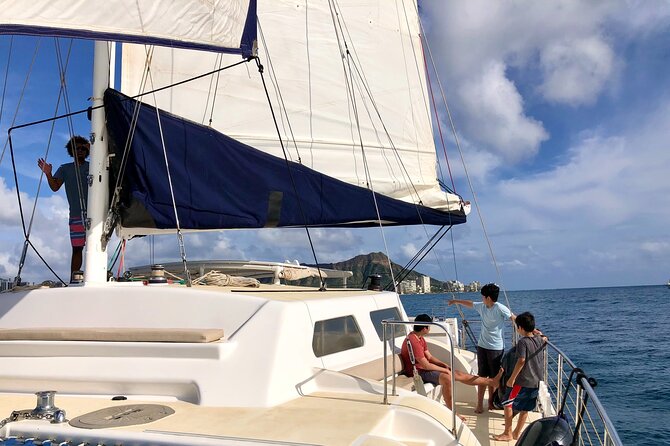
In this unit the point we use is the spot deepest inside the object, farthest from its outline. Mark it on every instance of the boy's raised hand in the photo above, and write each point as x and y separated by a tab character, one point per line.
44	166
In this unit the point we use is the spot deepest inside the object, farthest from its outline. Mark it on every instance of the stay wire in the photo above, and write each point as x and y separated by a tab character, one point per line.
337	22
348	74
89	109
280	97
467	175
61	75
62	69
4	89
180	236
290	174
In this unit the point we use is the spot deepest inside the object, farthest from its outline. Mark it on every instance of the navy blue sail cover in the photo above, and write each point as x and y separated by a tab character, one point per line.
221	183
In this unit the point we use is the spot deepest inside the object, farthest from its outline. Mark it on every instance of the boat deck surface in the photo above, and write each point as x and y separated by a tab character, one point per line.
485	425
320	418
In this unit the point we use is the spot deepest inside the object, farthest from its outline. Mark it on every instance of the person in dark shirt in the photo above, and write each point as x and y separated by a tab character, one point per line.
523	383
74	175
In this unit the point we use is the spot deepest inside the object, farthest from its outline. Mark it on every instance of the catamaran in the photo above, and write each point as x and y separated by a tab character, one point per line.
237	115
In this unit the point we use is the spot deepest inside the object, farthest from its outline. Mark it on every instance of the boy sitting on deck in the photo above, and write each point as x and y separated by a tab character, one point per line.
431	369
523	383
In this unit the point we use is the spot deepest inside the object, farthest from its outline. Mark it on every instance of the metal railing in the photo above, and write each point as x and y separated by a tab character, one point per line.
571	392
386	342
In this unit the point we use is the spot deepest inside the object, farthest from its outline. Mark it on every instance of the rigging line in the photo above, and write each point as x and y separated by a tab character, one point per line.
217	62
416	205
333	16
361	75
86	110
435	243
406	269
23	223
9	139
368	176
467	176
413	262
309	84
437	116
39	184
280	97
418	71
4	87
444	147
129	139
180	236
62	71
114	257
24	252
290	174
23	91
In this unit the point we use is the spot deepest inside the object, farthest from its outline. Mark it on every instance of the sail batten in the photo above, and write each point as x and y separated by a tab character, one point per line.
223	26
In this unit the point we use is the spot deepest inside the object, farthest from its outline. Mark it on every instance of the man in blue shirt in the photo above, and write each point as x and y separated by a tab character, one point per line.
75	177
490	346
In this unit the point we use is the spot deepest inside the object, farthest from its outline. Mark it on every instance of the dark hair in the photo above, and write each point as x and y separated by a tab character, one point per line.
526	321
77	141
422	318
491	290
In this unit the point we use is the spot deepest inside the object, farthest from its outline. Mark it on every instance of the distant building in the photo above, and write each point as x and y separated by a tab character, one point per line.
454	286
473	287
5	284
425	284
408	287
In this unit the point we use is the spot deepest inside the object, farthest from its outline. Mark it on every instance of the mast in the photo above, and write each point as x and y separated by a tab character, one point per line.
98	178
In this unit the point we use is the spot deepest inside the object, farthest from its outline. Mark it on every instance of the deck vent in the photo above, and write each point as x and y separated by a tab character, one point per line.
118	416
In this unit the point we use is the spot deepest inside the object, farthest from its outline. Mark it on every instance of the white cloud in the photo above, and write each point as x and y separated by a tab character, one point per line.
501	123
575	70
408	250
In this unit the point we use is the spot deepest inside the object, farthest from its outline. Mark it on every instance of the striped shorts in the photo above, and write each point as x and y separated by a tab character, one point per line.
77	232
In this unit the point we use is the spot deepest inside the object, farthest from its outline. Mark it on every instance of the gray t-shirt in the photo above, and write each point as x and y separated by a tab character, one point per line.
532	372
68	174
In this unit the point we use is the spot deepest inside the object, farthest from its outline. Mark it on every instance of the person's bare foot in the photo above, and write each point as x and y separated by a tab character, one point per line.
515	435
496	379
479	409
462	417
492	407
502	437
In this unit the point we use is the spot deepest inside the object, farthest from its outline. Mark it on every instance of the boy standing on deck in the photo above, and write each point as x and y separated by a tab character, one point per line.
490	346
75	177
523	383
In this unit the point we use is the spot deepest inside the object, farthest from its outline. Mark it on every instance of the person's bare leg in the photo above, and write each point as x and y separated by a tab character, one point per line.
520	424
507	433
491	390
445	382
480	398
77	258
477	380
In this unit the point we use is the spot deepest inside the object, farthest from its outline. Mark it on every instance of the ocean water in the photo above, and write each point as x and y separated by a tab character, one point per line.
620	336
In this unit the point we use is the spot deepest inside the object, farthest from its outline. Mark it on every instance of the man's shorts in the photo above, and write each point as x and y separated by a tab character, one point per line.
430	376
488	362
522	399
77	232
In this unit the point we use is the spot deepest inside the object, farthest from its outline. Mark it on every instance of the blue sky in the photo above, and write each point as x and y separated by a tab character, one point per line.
562	110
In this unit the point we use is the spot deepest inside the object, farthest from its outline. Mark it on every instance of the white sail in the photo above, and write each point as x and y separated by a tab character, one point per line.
305	43
184	23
